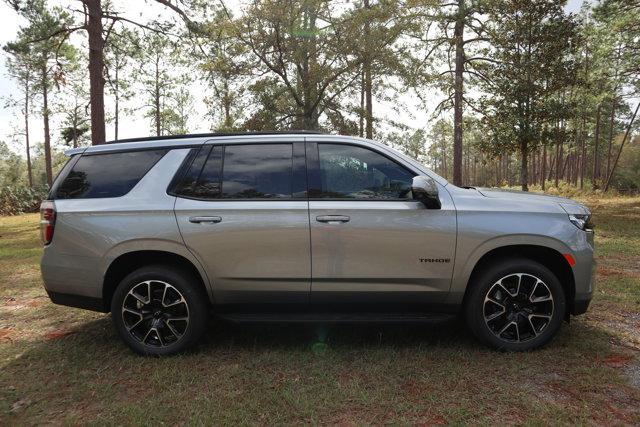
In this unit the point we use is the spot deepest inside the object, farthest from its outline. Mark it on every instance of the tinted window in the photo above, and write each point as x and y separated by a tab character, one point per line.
107	175
61	175
352	172
208	185
188	181
202	178
257	171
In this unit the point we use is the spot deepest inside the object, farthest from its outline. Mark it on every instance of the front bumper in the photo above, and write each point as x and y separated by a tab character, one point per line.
585	283
580	306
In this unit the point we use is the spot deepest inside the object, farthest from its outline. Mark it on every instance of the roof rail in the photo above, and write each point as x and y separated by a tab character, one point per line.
214	134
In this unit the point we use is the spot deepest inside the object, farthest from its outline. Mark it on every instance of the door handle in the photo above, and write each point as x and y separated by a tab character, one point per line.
205	219
332	219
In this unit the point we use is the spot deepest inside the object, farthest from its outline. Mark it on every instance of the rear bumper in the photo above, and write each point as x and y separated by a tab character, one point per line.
73	281
78	301
71	274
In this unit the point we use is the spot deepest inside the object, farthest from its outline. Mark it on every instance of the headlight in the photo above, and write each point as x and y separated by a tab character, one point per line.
581	221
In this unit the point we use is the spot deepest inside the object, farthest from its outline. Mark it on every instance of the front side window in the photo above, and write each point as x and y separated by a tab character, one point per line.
106	175
351	172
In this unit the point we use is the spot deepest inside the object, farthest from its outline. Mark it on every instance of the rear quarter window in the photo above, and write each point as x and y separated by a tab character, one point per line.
106	175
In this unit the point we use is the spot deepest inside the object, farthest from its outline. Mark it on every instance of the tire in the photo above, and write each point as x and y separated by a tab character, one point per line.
515	305
172	320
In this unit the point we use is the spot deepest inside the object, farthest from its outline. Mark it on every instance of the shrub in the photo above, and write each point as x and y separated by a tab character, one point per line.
17	200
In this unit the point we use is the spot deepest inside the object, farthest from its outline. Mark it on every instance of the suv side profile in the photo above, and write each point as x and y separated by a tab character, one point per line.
301	226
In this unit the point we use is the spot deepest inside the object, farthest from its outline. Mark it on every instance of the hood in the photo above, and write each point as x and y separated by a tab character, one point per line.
570	206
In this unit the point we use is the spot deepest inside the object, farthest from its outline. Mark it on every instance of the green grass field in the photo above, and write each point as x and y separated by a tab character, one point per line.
66	366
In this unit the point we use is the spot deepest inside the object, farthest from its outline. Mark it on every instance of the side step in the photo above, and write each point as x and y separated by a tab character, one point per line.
336	317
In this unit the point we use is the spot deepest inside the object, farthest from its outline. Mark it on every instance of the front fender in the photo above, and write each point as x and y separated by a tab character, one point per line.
466	260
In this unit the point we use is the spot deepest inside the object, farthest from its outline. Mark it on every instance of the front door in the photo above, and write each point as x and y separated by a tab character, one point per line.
374	247
242	210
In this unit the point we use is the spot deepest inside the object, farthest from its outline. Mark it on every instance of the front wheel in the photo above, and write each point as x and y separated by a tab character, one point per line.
159	311
515	305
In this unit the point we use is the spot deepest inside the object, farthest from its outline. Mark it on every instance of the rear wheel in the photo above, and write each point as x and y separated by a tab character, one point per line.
515	305
159	311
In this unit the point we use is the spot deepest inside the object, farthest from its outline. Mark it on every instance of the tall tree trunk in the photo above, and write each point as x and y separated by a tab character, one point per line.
475	171
558	159
309	88
158	107
45	117
368	102
458	34
524	167
444	159
75	123
27	96
596	154
467	169
116	119
543	175
564	166
626	135
532	160
361	114
611	126
583	151
367	77
96	68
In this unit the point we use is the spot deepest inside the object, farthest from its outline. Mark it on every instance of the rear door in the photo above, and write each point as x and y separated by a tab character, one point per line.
374	247
242	210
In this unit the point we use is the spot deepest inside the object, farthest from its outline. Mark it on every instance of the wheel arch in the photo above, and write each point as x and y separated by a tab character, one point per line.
127	262
545	255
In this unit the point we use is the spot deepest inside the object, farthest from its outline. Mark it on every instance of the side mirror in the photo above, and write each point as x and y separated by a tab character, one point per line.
425	190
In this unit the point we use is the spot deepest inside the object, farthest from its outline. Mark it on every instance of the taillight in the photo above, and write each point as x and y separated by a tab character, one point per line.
47	221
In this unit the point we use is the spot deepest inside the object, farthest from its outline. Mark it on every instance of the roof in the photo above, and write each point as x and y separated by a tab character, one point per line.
186	140
212	135
196	140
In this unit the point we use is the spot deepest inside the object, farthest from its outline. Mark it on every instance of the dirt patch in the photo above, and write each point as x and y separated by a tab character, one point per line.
12	303
608	272
5	334
617	360
625	325
632	372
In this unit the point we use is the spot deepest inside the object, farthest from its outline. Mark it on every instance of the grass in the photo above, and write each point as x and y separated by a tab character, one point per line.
66	366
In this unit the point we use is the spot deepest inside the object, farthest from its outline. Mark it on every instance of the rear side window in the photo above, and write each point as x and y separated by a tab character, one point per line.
202	179
106	175
61	175
256	171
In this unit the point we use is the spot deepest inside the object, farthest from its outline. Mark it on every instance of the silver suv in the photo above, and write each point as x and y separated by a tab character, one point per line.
302	226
